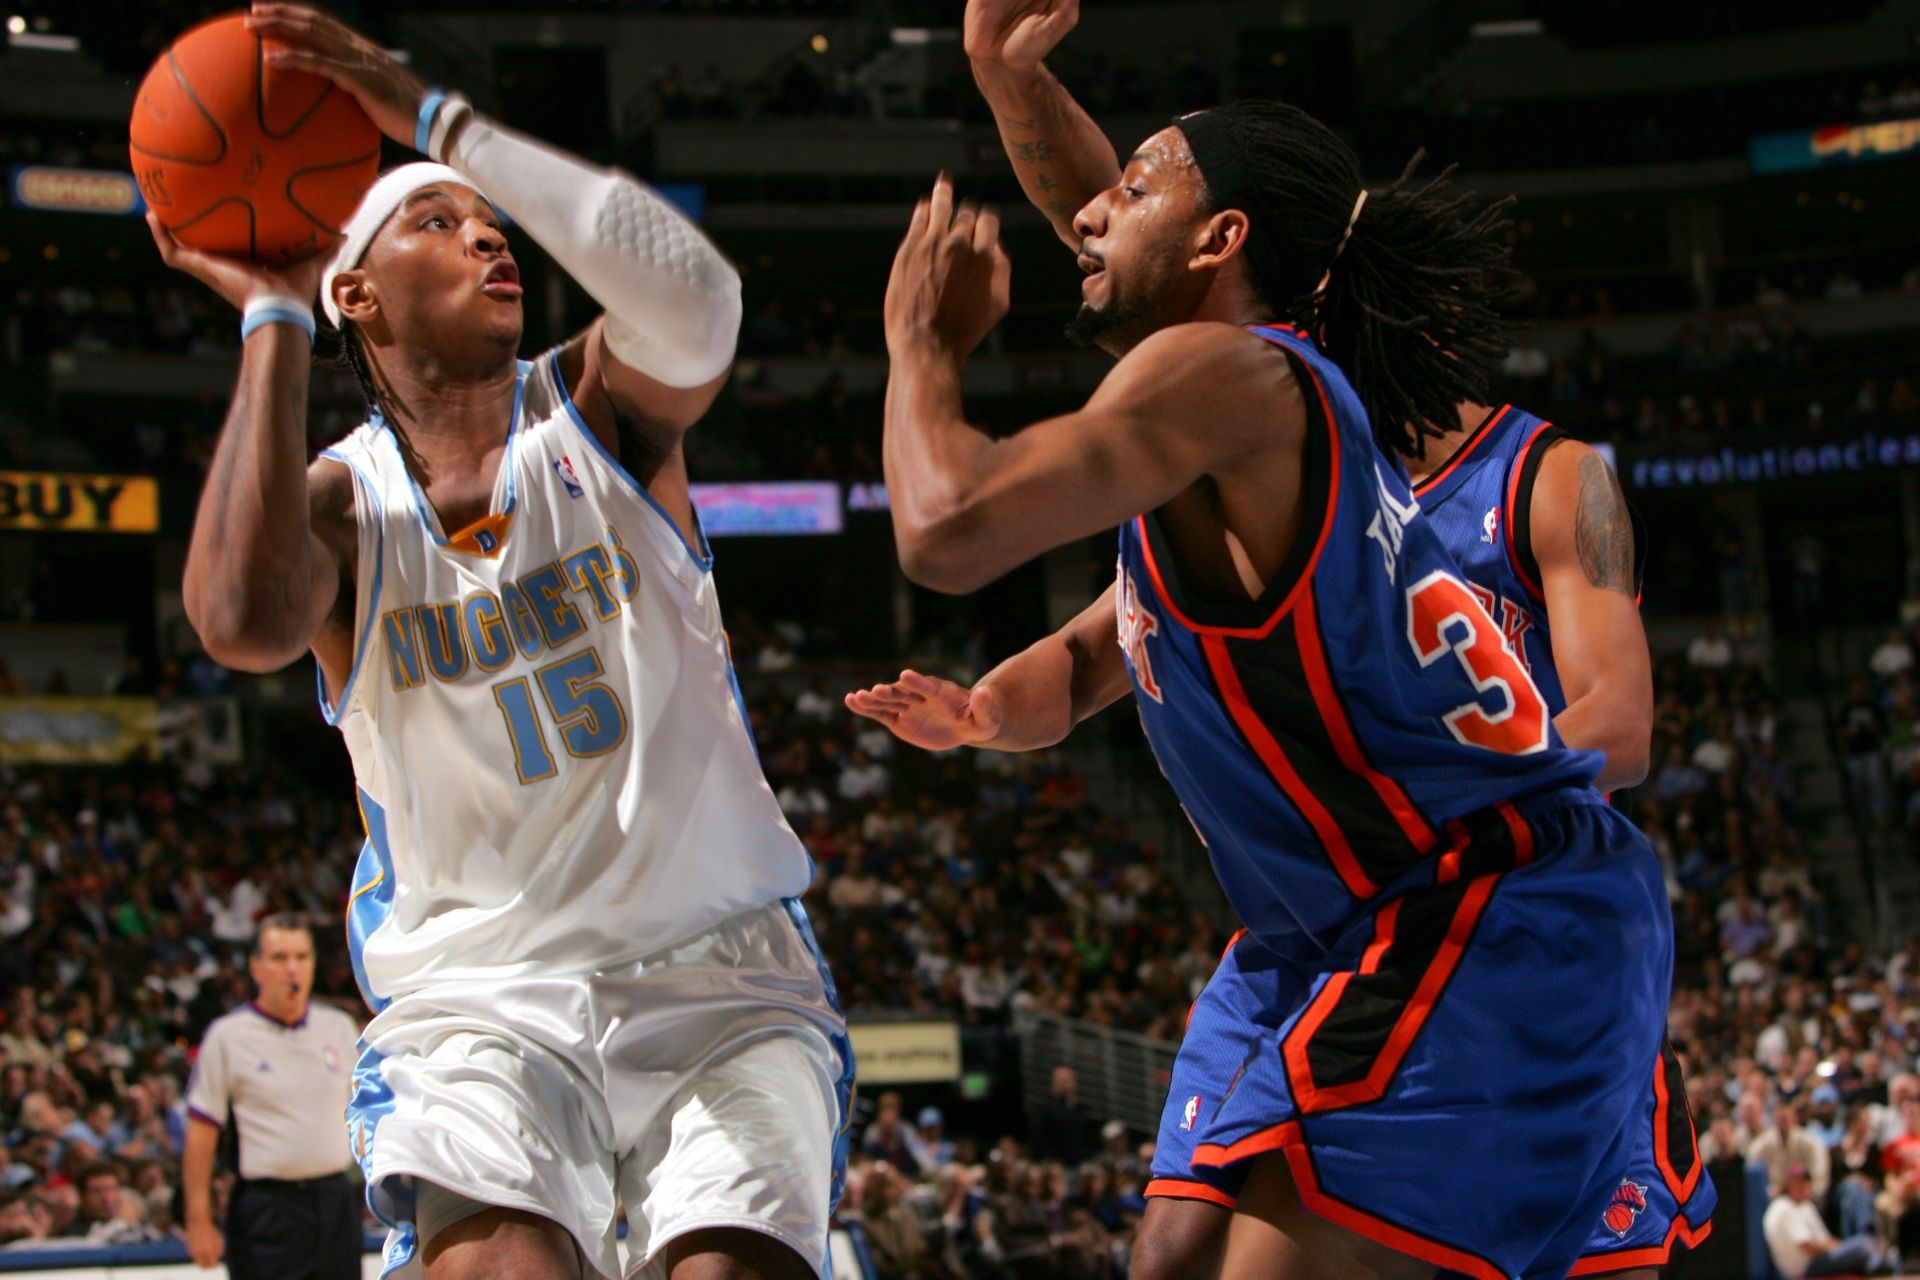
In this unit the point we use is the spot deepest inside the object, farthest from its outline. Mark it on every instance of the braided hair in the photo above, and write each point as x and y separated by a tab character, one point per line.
350	355
1400	289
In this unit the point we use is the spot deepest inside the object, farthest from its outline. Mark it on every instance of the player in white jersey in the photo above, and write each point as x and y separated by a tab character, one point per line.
575	916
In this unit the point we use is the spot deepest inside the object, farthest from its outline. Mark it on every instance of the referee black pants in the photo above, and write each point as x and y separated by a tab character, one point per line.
294	1230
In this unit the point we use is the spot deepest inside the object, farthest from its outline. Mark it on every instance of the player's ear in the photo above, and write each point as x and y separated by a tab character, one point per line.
1218	240
354	294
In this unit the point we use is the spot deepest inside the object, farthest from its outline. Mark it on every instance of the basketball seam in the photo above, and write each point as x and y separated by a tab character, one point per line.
260	99
322	168
243	202
199	106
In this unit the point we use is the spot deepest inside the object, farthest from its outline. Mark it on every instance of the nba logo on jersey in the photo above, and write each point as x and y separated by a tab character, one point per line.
1489	525
1629	1199
564	469
1190	1113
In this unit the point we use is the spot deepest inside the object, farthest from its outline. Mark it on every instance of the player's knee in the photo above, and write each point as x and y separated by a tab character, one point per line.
734	1253
502	1242
1180	1240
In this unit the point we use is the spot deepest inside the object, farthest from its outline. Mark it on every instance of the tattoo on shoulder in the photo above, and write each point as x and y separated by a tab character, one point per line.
1059	209
1042	181
1033	152
1602	529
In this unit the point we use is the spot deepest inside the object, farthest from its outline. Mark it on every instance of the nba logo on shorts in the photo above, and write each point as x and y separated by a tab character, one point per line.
1189	1114
1629	1200
564	469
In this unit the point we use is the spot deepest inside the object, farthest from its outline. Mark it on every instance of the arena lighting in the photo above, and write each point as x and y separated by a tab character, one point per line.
923	35
1514	27
37	40
818	43
16	25
1826	1068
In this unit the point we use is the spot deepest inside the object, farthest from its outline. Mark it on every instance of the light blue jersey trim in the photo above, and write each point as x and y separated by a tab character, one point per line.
842	1044
332	712
390	1199
370	900
427	519
703	556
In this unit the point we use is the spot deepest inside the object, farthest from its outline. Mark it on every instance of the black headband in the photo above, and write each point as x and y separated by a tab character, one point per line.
1222	161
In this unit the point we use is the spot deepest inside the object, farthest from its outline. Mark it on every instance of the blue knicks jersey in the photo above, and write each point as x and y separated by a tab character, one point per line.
1322	737
1478	503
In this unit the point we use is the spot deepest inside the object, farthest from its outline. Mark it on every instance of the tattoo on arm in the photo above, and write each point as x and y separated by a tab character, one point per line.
1602	528
1032	152
1030	124
1042	181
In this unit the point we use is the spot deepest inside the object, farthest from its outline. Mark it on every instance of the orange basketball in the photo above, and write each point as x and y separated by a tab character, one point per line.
237	157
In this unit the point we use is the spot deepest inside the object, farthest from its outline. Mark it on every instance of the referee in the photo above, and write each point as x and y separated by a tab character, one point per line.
273	1077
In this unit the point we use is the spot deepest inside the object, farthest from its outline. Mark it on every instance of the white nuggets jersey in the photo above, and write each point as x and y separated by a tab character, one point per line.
553	763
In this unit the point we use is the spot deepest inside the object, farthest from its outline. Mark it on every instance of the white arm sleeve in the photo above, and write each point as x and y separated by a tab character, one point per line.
672	302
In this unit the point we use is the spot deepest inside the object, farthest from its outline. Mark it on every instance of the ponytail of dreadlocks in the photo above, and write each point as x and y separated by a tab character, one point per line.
1410	307
1406	305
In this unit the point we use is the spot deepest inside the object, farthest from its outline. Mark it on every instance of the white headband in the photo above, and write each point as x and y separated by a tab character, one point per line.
375	208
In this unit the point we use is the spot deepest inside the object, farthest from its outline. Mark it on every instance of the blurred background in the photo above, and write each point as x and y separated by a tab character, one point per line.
1717	230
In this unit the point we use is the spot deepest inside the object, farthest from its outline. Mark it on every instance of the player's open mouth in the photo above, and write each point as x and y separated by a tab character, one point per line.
1093	267
503	281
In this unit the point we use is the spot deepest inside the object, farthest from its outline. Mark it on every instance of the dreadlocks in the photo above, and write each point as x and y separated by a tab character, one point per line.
1400	289
350	355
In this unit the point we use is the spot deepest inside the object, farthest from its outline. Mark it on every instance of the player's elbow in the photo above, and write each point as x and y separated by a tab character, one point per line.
939	557
1628	760
238	638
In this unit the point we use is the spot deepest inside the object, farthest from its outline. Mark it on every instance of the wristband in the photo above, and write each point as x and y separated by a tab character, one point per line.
276	309
456	109
423	123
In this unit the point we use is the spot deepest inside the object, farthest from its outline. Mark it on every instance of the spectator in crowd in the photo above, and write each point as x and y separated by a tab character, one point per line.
1800	1244
894	1233
1787	1145
890	1138
1062	1129
1863	733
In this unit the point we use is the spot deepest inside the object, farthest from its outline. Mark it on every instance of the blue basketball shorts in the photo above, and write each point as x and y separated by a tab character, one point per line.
1476	1073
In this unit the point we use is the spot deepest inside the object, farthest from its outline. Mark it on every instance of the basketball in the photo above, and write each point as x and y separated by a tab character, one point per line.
241	158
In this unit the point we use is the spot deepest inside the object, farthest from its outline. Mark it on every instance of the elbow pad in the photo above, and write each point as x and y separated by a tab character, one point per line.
672	301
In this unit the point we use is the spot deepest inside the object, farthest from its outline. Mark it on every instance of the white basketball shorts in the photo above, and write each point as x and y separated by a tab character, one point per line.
706	1085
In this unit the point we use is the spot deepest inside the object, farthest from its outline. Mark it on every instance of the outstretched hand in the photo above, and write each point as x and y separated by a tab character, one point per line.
1018	33
319	43
236	279
951	279
930	713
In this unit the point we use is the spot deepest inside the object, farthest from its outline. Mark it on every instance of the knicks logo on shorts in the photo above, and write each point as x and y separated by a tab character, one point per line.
1189	1114
1628	1203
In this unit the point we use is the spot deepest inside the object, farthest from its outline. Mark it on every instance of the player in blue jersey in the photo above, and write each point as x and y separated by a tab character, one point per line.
1376	774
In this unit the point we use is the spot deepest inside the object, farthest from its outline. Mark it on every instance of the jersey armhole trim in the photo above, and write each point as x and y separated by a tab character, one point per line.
332	712
1526	471
1245	620
702	556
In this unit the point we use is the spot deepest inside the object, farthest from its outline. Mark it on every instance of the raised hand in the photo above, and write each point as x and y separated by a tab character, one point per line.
236	279
322	44
1018	33
951	279
930	713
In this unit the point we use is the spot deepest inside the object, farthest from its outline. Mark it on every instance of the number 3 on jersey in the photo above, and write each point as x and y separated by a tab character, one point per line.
1435	604
587	714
